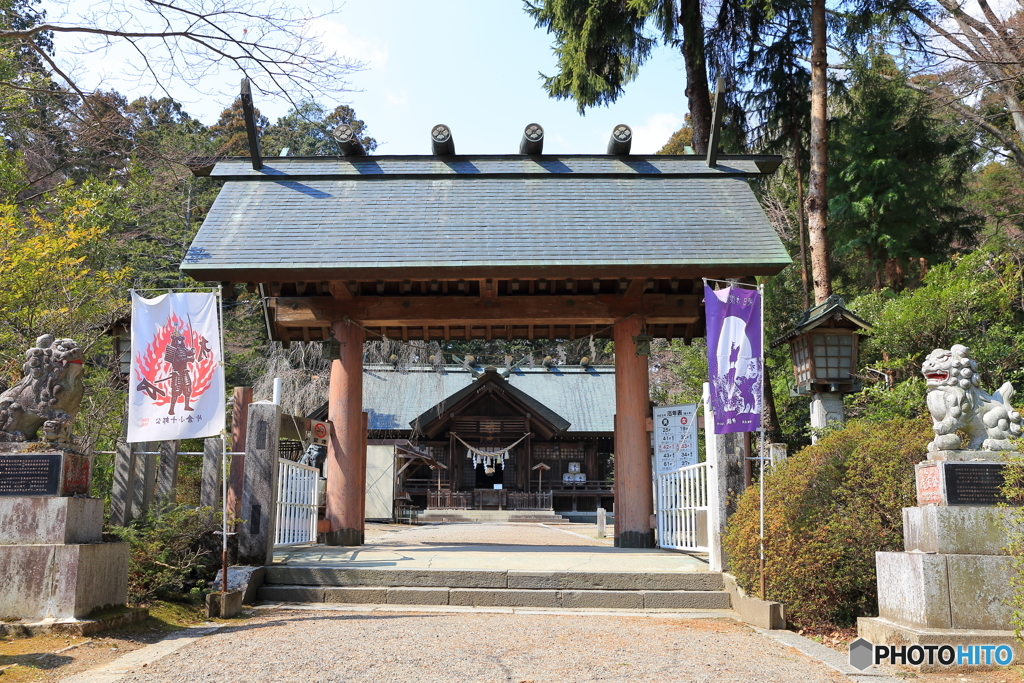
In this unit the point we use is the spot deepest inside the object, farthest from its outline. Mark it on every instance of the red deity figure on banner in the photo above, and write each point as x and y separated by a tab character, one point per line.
177	367
179	357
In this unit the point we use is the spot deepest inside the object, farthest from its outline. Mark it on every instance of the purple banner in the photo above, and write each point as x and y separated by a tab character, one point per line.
735	361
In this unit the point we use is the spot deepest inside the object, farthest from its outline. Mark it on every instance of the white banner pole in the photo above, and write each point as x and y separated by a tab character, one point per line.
225	469
764	375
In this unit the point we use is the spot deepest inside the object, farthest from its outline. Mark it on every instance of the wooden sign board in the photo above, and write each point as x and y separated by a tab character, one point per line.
675	437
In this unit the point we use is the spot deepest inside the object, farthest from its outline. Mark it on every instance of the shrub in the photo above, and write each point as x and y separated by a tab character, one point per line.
829	508
172	551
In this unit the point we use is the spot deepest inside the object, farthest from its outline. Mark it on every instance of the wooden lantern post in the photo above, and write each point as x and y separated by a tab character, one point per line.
540	467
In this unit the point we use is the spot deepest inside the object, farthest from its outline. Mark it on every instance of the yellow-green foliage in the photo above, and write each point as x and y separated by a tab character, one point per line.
57	273
829	508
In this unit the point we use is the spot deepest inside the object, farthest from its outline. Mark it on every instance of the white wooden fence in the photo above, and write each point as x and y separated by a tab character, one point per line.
296	503
683	508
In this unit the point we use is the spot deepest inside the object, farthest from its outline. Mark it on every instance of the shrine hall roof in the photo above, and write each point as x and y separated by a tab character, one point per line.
394	398
331	218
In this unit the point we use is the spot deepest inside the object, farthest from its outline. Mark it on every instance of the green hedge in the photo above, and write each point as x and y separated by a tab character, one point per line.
830	507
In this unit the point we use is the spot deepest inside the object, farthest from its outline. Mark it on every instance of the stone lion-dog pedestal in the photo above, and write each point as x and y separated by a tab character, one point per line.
951	585
54	565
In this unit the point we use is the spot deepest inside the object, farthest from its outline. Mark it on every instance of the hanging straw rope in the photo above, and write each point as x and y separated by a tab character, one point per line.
495	454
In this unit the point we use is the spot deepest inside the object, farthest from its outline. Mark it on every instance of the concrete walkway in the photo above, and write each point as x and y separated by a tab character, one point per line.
521	547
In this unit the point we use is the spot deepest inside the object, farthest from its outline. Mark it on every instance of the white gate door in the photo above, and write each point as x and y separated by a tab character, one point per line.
683	508
296	503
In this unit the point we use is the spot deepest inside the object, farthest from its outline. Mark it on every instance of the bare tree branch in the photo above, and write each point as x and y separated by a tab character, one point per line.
186	41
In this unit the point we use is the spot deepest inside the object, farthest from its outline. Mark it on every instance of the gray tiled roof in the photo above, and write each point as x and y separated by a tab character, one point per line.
424	212
492	165
584	397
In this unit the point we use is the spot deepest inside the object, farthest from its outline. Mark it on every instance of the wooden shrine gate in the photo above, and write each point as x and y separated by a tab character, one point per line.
445	246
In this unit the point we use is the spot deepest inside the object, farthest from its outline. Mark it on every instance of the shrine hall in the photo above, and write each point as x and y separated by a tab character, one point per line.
444	246
517	437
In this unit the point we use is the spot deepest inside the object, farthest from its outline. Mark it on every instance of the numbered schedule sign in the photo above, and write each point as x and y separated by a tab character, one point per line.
675	437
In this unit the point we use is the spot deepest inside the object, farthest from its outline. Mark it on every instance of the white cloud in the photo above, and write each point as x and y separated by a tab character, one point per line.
397	99
652	135
336	37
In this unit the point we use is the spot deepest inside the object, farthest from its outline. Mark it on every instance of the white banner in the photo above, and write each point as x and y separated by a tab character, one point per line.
177	381
675	437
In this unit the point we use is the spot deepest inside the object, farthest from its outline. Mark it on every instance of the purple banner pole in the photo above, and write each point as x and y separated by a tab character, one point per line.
735	358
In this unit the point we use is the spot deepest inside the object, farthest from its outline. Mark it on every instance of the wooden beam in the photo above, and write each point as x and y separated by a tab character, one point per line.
339	290
717	110
488	290
603	309
251	132
635	288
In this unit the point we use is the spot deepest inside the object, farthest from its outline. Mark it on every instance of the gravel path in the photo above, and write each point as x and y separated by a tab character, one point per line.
284	646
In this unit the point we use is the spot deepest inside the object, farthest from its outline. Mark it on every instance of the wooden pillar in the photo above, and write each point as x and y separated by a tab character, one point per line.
634	503
210	487
240	400
346	457
123	484
236	482
457	464
167	474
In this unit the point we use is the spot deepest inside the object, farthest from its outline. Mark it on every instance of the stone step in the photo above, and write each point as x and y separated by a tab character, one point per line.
467	519
534	516
323	577
500	597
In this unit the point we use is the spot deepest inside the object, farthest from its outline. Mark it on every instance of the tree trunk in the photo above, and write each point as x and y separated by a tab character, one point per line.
797	163
817	197
773	427
698	94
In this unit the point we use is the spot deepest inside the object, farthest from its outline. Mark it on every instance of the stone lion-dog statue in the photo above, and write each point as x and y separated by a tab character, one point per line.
957	404
48	396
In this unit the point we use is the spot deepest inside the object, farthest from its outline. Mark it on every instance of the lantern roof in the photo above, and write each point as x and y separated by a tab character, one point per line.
833	309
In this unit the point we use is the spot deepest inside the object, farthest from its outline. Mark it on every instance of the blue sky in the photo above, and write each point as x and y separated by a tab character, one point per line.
472	64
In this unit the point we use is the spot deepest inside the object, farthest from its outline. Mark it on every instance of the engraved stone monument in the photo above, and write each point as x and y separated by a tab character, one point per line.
54	565
951	585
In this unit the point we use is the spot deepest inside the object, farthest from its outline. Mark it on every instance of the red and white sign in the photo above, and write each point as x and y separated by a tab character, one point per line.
176	386
319	432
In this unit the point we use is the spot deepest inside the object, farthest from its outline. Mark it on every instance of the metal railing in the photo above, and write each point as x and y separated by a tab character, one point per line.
683	508
296	503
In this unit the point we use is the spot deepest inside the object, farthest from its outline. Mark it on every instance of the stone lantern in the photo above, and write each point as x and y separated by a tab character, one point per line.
823	346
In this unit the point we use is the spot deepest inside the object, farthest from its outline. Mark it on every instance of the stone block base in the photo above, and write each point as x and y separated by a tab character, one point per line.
61	581
961	529
74	627
55	520
224	605
931	590
881	631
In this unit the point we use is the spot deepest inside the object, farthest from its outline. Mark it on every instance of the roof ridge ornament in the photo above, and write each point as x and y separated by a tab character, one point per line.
533	140
621	140
441	141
